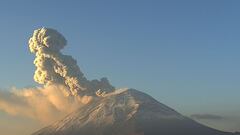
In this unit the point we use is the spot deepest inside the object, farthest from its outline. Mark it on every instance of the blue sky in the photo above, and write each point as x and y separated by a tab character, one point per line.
183	53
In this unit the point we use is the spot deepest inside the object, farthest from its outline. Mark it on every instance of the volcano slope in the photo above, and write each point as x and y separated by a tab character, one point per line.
127	112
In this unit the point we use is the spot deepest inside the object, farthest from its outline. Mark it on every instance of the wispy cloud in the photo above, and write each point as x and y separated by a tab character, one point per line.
206	117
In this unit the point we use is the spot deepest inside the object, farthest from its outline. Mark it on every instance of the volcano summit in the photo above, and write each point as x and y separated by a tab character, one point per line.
127	112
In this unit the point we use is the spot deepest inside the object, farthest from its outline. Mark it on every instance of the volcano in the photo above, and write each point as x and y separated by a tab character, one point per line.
127	112
111	111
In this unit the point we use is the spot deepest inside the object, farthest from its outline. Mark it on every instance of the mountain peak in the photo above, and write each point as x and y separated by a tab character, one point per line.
126	112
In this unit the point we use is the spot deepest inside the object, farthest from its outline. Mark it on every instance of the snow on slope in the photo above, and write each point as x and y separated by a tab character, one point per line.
126	112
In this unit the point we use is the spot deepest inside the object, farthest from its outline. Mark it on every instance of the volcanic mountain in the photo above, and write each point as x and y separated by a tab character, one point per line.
127	112
111	111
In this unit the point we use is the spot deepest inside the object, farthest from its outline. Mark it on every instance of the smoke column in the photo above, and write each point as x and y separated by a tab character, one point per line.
53	67
64	86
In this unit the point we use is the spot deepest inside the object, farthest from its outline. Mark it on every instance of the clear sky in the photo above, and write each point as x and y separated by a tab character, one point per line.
183	53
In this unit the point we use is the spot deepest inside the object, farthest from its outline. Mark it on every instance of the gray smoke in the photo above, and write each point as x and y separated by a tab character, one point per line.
64	86
53	67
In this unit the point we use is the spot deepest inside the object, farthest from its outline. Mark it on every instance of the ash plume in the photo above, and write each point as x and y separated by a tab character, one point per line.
53	67
65	88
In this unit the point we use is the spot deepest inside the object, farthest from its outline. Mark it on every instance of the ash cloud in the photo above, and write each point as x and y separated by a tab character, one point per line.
206	117
53	67
44	103
65	88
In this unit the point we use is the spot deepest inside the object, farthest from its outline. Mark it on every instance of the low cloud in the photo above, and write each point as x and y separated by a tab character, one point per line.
44	104
206	117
